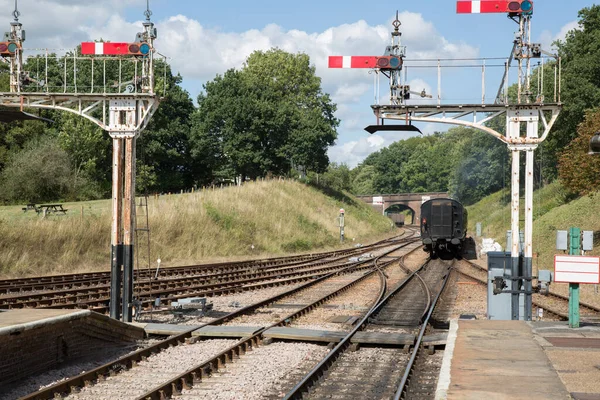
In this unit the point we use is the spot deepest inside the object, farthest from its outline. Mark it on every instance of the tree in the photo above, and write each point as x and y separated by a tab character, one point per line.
579	171
265	118
163	150
337	177
580	57
364	180
42	171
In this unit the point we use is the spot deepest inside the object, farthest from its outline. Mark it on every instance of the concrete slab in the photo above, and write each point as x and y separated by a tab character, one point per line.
166	329
10	319
496	360
226	331
312	335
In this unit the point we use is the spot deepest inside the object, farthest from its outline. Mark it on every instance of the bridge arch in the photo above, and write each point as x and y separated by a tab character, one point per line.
412	201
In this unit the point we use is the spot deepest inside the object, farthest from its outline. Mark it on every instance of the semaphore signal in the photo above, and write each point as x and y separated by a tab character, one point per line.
114	49
494	6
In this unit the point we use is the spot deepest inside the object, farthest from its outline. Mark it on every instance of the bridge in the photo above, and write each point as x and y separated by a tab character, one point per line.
385	203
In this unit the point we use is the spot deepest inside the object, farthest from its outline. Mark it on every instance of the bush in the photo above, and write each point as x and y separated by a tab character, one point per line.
40	172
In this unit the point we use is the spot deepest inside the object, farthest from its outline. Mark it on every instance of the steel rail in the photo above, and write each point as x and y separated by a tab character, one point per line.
87	378
17	283
417	347
129	361
157	287
97	297
195	374
297	392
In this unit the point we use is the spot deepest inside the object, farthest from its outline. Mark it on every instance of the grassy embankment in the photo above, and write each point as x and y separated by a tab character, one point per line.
552	211
276	217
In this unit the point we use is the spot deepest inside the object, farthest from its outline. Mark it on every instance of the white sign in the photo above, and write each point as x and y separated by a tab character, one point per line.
425	198
378	200
576	269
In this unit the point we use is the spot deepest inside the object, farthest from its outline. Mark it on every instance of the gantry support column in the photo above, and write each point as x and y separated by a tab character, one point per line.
515	190
513	132
532	129
128	227
116	231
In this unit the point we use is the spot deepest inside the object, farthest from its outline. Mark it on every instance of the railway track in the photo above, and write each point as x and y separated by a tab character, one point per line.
215	283
341	374
554	304
58	282
212	365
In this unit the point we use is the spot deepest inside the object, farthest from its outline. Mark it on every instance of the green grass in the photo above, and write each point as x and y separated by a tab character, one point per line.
553	209
258	219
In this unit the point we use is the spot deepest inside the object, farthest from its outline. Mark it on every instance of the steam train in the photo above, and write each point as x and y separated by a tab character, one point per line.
444	229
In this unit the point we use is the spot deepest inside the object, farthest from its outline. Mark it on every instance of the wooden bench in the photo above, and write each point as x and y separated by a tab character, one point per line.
30	206
46	209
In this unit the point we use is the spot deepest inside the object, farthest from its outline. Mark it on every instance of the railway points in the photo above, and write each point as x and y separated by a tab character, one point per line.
397	332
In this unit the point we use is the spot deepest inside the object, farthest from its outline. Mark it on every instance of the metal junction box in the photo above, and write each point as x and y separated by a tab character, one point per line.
499	305
561	240
587	243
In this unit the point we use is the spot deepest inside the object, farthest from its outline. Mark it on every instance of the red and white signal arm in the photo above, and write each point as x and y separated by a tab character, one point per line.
114	49
494	6
342	211
576	269
383	62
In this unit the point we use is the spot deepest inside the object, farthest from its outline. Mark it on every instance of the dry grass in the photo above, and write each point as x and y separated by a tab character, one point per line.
552	212
256	220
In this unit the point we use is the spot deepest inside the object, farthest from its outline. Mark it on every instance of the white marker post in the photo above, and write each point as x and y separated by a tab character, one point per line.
342	212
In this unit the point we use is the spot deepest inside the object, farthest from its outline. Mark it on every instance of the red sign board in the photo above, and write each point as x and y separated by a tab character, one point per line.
576	269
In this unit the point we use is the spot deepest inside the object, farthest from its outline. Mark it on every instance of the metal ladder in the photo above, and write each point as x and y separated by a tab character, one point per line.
142	240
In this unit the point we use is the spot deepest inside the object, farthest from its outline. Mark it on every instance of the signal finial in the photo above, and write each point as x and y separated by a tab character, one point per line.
397	22
16	13
147	13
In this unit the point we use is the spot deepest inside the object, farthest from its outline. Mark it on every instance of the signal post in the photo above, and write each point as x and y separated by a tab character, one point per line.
124	114
529	111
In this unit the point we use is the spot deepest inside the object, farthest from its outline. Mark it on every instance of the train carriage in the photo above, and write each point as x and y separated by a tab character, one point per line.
444	228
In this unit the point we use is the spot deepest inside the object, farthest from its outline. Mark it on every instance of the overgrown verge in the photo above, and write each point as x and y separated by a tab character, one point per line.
554	208
255	220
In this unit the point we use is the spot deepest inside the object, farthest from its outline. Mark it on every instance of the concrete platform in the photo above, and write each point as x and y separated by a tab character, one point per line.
33	341
496	360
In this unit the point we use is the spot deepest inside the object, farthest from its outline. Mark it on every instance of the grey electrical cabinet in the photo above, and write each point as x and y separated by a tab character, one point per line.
561	240
499	305
587	243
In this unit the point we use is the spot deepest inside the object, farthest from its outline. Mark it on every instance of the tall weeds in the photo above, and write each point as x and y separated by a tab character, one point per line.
255	220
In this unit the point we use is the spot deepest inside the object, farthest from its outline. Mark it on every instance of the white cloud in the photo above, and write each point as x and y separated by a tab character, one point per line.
547	37
199	52
352	153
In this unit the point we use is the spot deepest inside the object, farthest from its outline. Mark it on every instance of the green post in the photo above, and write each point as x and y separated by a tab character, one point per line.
574	250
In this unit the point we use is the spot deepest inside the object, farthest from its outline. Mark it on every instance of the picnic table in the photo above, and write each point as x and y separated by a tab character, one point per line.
30	206
51	209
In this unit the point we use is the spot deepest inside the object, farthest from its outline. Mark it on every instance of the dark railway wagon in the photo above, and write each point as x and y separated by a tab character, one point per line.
444	228
397	218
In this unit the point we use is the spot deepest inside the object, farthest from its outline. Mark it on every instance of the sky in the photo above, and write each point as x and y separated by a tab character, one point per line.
205	38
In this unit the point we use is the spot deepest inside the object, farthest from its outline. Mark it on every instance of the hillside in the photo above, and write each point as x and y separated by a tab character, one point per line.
553	211
255	220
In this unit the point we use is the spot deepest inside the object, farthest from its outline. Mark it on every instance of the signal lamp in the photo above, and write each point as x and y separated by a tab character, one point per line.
395	62
526	6
138	49
8	48
595	144
383	63
523	6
